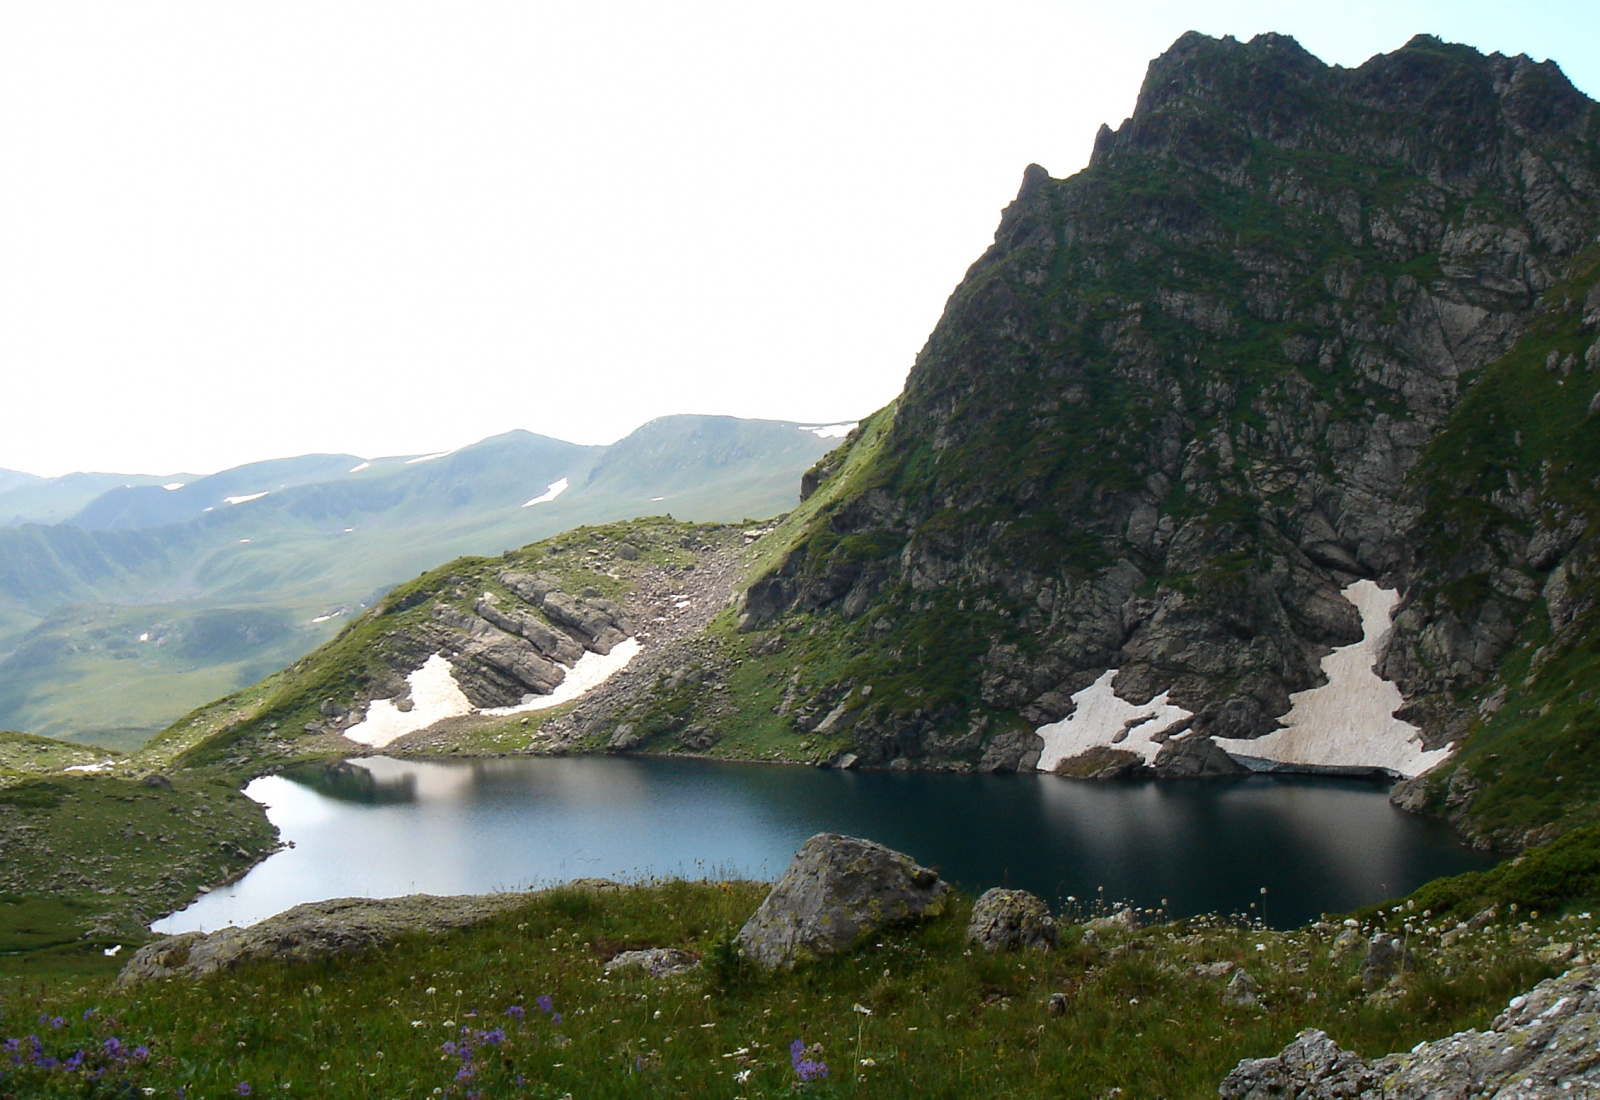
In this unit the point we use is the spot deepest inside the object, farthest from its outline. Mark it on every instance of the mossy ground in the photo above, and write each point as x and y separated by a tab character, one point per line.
914	1013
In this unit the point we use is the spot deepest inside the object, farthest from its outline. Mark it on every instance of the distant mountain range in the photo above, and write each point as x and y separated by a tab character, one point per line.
127	600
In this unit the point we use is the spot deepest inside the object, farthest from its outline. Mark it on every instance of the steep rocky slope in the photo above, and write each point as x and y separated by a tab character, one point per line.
1295	328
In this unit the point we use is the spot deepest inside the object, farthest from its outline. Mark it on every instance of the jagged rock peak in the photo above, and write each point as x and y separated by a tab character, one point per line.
1441	108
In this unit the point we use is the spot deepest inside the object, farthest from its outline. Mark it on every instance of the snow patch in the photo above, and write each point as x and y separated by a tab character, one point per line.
427	458
144	637
1349	721
246	499
1101	716
363	466
325	618
555	489
831	431
100	767
655	499
435	696
172	485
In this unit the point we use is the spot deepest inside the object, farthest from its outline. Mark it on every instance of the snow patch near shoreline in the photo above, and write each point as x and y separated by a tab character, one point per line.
1101	716
1349	721
435	696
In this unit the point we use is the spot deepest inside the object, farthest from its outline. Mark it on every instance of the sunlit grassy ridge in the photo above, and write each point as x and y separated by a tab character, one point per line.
915	1013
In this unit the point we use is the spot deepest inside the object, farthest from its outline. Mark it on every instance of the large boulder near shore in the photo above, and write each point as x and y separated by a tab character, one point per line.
836	891
1006	920
311	931
1542	1047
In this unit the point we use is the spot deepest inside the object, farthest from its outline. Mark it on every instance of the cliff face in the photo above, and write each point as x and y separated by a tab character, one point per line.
1294	327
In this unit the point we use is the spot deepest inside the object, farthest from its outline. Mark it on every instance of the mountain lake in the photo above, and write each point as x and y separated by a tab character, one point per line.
379	827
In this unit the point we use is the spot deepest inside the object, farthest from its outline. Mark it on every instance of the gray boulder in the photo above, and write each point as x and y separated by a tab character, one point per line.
836	891
1006	920
1310	1068
1195	757
1385	955
1542	1047
1241	989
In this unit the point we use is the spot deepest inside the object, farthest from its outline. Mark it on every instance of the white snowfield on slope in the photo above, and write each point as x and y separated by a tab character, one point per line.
1348	722
435	696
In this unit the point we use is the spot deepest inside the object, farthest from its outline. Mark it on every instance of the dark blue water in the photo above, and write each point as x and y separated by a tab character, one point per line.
380	827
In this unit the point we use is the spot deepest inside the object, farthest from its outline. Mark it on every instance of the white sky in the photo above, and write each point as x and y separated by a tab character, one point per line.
236	230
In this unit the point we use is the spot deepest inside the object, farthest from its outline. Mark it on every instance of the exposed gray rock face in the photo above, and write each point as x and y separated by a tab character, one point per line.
1542	1047
510	645
1095	452
311	931
1006	920
835	892
1195	756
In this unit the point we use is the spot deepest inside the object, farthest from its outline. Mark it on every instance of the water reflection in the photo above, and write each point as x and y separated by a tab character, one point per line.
380	827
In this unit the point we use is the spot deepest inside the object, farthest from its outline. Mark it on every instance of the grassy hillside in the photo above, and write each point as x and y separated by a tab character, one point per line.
521	1006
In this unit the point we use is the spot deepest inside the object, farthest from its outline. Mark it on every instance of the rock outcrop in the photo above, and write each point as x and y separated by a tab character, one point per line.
835	892
1194	393
311	931
1008	920
1542	1047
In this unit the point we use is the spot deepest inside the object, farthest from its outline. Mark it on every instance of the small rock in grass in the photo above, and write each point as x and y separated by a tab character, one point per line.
1345	942
1006	920
1241	989
658	962
1057	1004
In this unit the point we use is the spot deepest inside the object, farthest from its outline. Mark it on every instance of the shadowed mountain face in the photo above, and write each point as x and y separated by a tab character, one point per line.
150	600
1294	327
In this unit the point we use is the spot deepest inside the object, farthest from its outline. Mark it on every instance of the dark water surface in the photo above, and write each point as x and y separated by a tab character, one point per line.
380	827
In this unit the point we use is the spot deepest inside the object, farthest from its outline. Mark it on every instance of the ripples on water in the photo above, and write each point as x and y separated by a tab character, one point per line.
382	827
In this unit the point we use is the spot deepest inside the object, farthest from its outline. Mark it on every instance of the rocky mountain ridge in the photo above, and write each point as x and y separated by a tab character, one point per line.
1193	394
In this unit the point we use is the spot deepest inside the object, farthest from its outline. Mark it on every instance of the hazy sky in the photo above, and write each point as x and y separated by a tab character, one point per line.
235	230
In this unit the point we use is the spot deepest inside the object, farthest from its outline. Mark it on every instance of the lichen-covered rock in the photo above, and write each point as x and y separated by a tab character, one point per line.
311	931
1385	955
1006	920
1542	1047
836	891
658	962
1310	1068
1241	989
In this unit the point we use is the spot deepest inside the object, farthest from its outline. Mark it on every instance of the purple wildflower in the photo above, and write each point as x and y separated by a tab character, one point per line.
141	1052
545	1004
243	1088
56	1022
805	1068
516	1012
76	1060
88	1012
555	1017
467	1072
